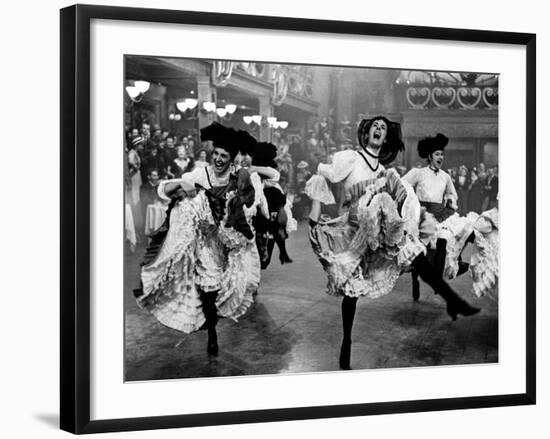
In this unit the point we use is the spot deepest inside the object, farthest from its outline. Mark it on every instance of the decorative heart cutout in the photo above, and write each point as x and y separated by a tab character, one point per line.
469	97
443	97
417	97
490	97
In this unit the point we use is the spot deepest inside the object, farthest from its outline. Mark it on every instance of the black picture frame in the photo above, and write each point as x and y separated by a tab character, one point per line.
75	217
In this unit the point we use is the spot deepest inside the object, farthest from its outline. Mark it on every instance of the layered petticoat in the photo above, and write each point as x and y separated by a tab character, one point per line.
484	263
199	256
455	230
365	250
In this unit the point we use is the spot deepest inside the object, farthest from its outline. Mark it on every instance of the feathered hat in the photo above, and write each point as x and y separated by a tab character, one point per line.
264	155
221	137
429	145
393	144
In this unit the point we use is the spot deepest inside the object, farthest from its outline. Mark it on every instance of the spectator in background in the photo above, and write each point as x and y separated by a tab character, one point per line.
302	203
188	150
482	174
134	175
145	131
192	144
491	189
284	162
152	160
148	193
462	191
134	168
170	152
157	133
202	159
181	164
297	150
474	192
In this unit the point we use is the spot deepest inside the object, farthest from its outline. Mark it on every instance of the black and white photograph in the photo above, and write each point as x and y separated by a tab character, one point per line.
298	218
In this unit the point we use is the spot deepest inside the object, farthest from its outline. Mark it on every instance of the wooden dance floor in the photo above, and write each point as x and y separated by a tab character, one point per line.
295	327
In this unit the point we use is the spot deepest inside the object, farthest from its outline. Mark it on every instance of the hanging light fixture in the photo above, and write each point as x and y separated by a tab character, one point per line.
247	120
191	103
132	91
221	112
182	106
209	107
142	86
230	108
137	91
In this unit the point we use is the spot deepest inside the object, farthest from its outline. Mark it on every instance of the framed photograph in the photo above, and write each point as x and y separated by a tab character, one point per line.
220	174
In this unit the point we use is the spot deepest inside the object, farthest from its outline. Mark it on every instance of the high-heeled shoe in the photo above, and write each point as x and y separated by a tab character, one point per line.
345	354
461	307
285	260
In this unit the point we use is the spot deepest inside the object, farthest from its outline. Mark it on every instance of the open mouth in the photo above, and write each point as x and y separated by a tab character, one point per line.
376	135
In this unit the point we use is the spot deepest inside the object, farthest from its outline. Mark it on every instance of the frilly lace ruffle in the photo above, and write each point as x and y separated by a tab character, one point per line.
366	260
484	263
199	255
455	230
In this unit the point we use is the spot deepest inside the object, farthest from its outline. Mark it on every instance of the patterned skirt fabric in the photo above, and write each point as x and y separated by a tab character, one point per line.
199	256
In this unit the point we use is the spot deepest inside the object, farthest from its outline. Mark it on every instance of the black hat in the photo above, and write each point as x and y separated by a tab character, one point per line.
393	144
429	145
245	142
264	155
221	137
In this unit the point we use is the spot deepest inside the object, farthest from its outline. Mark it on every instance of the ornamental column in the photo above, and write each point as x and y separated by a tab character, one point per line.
266	110
205	93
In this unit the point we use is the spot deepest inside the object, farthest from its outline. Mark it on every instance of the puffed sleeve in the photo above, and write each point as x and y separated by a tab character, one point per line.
411	177
187	182
340	168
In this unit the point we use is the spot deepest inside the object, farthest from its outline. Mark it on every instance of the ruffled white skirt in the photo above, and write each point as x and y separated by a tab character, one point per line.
197	256
364	252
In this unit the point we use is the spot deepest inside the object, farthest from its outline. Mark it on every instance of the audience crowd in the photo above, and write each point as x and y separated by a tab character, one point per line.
154	153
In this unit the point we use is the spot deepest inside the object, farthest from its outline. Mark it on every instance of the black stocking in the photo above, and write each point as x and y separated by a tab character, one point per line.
280	239
211	314
455	304
349	305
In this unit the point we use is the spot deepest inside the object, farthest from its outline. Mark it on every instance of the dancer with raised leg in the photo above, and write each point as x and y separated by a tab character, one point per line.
366	249
205	264
437	195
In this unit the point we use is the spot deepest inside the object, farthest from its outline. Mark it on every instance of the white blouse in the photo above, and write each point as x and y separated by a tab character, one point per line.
430	186
348	166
